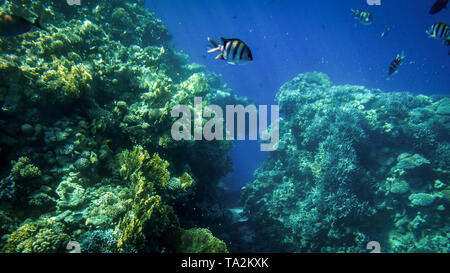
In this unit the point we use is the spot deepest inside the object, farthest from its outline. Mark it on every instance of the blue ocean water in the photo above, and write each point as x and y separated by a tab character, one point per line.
291	37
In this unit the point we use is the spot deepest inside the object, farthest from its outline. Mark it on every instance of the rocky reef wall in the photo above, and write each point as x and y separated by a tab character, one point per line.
85	147
353	166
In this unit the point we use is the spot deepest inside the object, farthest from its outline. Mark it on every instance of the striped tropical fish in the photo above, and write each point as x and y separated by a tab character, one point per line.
396	63
439	31
234	51
364	17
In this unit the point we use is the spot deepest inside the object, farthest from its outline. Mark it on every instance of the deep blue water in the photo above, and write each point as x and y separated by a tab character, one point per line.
290	37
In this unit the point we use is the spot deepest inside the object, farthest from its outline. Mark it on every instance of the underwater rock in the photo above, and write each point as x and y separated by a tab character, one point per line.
399	186
351	156
421	199
71	195
27	129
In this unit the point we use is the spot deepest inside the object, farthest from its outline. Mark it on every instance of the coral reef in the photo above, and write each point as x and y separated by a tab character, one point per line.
200	240
80	106
353	166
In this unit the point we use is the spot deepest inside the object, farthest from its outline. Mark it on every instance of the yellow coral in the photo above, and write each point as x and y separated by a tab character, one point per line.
200	240
37	237
23	169
186	181
131	162
147	175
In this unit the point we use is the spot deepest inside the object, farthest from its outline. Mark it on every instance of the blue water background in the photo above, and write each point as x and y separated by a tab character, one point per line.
290	37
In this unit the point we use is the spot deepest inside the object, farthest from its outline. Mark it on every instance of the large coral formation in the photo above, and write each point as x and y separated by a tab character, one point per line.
353	166
200	240
39	237
80	106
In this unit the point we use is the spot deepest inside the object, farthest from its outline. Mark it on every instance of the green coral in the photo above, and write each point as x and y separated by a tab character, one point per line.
112	63
200	240
71	195
24	169
132	162
350	156
138	166
130	228
196	85
186	181
37	237
147	175
67	80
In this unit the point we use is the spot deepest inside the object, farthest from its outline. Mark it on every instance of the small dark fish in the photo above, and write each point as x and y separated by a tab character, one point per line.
439	31
386	32
233	50
438	6
396	63
363	16
12	25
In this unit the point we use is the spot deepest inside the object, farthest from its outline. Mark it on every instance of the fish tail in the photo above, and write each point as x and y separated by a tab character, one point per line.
217	46
213	42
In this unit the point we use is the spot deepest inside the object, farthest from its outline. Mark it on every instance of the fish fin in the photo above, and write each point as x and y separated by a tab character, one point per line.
214	49
226	40
220	57
213	42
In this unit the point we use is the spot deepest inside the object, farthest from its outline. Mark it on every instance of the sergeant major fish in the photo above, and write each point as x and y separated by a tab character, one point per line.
363	16
13	25
233	50
439	31
395	64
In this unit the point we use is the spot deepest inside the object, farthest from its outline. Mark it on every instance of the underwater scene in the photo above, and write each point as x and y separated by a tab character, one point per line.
224	126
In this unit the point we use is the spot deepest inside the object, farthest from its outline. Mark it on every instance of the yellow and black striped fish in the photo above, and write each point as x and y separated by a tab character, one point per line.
439	31
234	51
363	16
396	63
